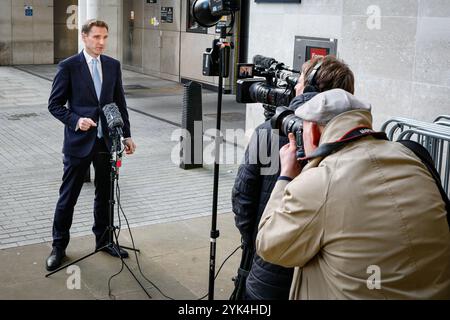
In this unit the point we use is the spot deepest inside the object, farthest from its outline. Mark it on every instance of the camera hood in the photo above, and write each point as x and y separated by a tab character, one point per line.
280	114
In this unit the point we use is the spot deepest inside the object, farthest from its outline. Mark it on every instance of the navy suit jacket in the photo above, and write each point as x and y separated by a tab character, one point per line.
73	85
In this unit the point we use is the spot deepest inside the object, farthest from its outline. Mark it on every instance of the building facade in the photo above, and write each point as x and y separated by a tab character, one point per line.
398	50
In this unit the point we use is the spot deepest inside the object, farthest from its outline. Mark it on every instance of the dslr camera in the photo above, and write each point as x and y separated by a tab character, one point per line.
266	81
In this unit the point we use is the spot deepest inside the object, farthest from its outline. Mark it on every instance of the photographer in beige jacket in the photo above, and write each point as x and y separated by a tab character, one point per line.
364	222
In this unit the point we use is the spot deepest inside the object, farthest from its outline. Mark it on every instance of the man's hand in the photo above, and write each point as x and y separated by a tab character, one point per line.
290	166
130	146
84	124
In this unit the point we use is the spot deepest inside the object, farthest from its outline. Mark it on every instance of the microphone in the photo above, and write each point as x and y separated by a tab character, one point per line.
268	63
113	118
263	61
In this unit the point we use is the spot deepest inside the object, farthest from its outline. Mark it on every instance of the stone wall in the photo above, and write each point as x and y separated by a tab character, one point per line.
398	50
26	39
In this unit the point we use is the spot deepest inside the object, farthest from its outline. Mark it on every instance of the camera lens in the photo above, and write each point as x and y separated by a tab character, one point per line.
292	124
287	122
264	93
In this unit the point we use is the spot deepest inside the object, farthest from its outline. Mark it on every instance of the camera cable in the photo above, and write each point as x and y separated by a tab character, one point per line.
116	233
223	263
137	258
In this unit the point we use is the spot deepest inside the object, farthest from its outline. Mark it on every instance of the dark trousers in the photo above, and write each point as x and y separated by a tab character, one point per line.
73	177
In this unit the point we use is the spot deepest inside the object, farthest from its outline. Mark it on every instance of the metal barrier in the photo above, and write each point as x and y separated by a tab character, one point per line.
443	120
397	125
442	117
444	123
438	145
435	137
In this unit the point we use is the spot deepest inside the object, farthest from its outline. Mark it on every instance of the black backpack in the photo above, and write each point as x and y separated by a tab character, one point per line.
425	157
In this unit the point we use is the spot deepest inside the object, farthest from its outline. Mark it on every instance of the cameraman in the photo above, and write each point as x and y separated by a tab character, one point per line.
253	186
364	218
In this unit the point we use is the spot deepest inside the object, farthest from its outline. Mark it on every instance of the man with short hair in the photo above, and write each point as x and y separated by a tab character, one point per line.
353	222
256	179
86	82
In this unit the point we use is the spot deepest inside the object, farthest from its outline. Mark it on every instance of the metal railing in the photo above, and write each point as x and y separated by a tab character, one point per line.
435	137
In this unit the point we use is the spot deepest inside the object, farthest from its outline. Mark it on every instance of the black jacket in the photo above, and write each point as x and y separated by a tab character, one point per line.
251	192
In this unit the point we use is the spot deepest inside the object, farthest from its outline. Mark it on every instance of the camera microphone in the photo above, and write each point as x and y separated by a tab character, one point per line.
113	118
268	63
264	62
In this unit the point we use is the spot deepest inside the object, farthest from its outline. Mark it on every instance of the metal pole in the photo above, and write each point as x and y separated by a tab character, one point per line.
218	139
214	231
112	202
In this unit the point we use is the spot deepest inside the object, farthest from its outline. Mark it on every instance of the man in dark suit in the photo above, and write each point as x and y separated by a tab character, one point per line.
86	82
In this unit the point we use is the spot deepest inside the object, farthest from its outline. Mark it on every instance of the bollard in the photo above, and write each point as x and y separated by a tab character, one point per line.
191	140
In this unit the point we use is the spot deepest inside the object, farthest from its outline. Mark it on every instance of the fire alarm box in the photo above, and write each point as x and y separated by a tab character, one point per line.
306	48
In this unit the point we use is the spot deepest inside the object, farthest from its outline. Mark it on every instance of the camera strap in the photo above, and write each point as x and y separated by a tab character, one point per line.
355	134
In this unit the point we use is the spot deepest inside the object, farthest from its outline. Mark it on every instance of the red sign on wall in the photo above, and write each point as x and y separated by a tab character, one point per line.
322	52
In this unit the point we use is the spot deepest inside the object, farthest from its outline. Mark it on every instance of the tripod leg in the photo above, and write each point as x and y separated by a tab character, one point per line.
133	249
69	264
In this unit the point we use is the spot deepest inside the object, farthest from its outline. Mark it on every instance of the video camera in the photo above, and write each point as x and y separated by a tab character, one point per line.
266	81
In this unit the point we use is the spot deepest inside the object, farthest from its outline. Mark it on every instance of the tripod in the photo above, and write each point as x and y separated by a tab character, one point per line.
111	230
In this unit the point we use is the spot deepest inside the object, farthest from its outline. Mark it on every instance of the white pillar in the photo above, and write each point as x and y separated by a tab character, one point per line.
82	9
111	12
92	9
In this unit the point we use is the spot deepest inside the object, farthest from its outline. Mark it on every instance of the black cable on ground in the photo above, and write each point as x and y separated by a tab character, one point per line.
116	236
137	259
134	247
111	296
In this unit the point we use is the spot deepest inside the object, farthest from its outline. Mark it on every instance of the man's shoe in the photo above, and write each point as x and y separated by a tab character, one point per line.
114	250
54	259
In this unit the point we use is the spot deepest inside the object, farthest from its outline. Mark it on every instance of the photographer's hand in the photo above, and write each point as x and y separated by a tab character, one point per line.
290	166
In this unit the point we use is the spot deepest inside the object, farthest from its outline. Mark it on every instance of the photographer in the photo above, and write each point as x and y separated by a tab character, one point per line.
253	186
353	222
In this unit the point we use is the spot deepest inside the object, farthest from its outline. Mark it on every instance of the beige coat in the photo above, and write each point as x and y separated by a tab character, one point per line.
372	206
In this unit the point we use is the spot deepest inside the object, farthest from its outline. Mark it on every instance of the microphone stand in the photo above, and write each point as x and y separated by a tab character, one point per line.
110	232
